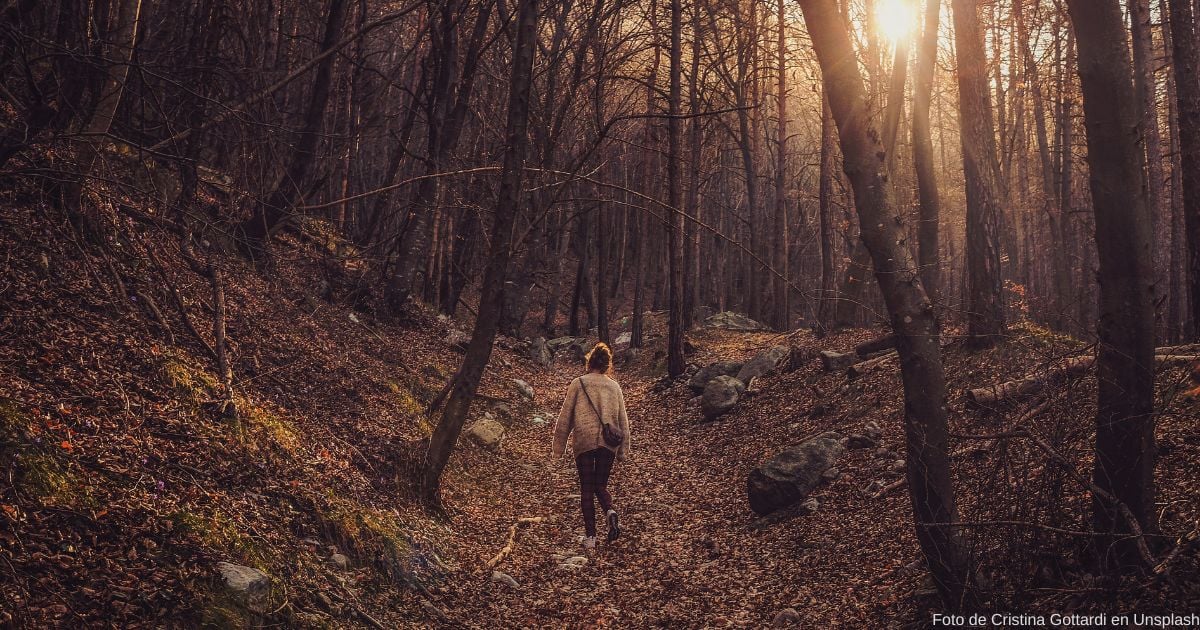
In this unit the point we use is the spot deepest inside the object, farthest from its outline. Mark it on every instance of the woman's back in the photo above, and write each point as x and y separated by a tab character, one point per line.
590	399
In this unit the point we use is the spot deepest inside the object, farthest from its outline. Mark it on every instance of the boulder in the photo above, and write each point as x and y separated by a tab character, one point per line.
859	441
790	476
733	321
571	348
523	388
720	395
339	561
872	430
458	339
504	578
705	374
245	581
786	618
623	339
833	361
487	433
539	351
763	363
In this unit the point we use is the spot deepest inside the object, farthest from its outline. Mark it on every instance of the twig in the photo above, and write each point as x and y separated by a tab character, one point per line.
512	538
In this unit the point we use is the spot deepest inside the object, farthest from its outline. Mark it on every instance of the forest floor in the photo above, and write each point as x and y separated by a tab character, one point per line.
123	488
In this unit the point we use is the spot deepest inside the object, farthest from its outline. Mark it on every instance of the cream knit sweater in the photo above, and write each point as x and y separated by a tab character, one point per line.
579	420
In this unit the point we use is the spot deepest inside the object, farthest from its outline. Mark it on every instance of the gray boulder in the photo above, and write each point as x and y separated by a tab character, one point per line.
623	339
720	395
789	477
246	582
833	361
733	321
570	348
539	351
708	373
487	433
764	363
523	388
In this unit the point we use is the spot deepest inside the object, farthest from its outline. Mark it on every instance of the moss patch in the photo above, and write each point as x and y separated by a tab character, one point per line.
192	382
218	531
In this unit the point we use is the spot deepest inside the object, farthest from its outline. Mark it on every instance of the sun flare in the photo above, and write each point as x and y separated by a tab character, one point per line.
895	19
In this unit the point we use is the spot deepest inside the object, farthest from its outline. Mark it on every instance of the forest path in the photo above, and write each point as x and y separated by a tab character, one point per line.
691	553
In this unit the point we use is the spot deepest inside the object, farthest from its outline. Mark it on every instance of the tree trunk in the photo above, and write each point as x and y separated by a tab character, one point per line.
825	208
466	380
98	125
985	306
675	361
927	189
1187	93
277	207
781	313
912	315
1125	451
1147	87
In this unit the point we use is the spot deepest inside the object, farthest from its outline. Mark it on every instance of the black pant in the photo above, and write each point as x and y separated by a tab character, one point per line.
594	467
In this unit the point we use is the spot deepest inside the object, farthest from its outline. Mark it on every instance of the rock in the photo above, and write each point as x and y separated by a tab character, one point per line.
539	351
831	474
432	610
458	339
708	373
763	363
810	505
786	618
539	421
836	361
578	561
487	433
872	430
899	465
339	562
720	395
523	388
504	579
857	441
886	453
623	339
790	476
572	348
733	321
248	581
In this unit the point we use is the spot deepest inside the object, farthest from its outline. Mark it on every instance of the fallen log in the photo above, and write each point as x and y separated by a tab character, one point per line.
1023	388
862	367
867	348
1032	384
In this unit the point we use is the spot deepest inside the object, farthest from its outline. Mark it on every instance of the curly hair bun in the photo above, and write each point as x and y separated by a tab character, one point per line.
600	358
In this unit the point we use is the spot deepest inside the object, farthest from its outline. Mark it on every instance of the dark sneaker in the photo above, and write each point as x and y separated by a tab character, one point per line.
614	526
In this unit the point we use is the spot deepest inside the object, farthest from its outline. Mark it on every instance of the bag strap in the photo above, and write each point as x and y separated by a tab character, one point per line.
590	403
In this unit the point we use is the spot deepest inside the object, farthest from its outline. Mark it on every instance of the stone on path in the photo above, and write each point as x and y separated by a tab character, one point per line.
487	433
764	363
711	371
720	395
504	578
539	351
858	441
786	618
523	388
790	476
833	361
733	321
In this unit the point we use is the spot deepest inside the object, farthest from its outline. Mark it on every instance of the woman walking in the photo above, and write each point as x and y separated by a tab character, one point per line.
593	415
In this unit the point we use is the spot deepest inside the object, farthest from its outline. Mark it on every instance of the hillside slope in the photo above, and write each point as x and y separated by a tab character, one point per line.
125	486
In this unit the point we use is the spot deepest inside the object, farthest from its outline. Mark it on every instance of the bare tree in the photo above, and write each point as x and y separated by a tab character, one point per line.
911	313
508	203
1125	453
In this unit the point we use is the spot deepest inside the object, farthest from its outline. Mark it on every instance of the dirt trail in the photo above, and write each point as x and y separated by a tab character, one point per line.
691	552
